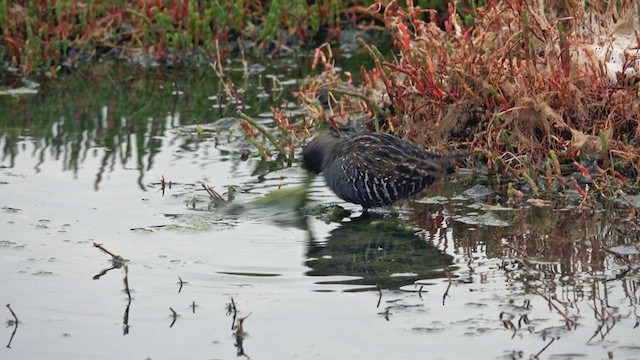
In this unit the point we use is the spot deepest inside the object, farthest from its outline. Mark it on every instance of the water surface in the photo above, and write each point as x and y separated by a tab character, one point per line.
443	276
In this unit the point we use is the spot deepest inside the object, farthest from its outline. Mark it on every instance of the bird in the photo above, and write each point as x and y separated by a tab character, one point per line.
375	169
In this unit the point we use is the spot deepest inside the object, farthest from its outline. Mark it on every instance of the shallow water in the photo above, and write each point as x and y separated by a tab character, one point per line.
443	276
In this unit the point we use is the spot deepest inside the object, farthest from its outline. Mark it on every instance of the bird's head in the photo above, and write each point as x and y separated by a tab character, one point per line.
316	153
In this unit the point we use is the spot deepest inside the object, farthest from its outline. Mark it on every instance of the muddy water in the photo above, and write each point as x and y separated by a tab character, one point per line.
443	276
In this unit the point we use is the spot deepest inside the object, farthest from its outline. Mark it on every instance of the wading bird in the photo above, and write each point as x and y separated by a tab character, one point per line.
375	169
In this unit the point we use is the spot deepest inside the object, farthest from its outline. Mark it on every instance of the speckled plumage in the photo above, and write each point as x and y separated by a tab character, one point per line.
374	169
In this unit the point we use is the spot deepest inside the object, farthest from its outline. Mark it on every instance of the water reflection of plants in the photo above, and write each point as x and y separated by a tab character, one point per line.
118	262
564	260
12	323
125	113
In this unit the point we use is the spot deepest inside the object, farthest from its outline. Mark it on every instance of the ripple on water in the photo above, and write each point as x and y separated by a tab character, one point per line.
43	273
7	244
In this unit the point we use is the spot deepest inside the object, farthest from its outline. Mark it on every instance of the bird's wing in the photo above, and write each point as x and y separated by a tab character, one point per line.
385	173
